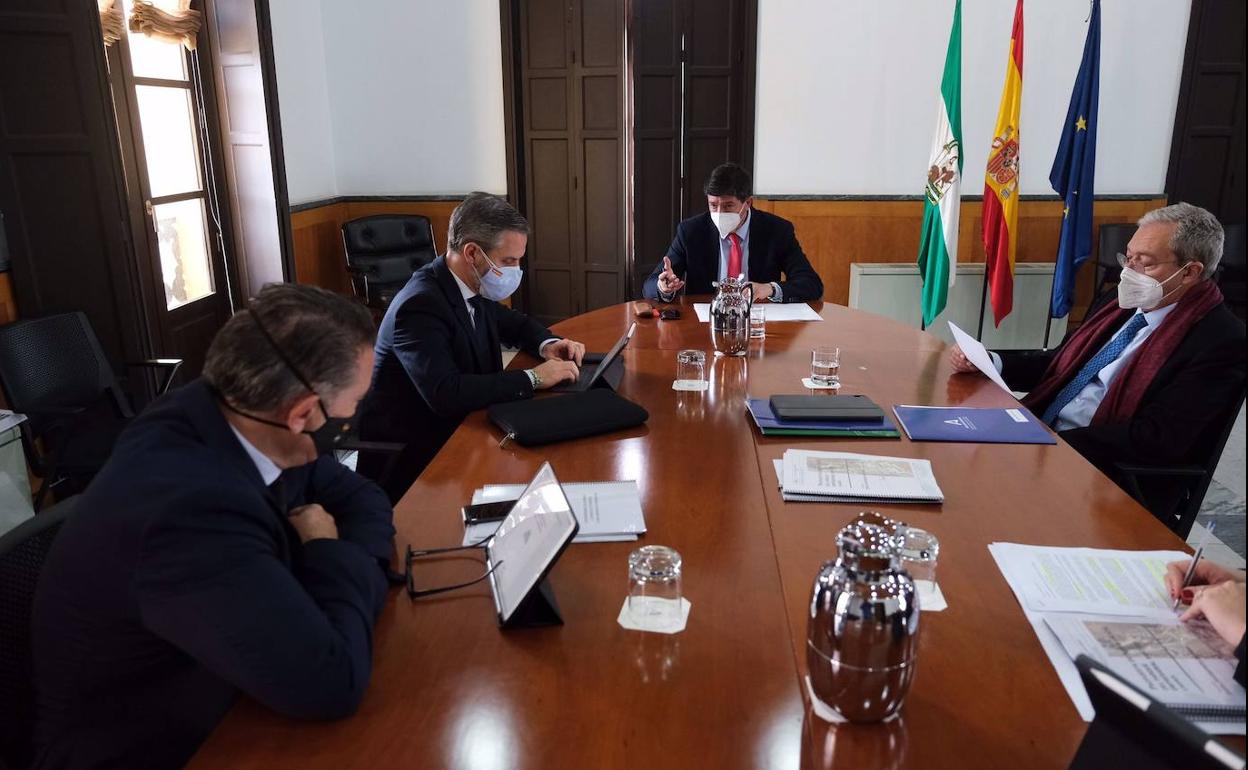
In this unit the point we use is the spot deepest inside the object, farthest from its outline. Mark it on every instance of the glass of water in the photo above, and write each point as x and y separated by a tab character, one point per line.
825	365
919	551
758	322
691	369
654	586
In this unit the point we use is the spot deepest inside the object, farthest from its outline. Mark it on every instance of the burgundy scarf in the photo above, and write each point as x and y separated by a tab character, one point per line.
1125	392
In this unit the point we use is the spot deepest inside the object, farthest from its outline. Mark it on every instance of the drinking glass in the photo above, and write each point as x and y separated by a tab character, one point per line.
825	365
758	322
919	551
690	369
654	593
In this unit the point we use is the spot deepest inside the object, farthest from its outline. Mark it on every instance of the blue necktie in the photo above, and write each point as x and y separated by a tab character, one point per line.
1108	355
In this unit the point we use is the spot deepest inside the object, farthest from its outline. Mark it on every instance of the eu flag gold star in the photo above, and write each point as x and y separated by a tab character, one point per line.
1065	212
1081	124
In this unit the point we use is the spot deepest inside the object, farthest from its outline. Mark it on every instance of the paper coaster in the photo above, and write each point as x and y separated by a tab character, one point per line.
692	385
931	598
829	714
816	386
627	620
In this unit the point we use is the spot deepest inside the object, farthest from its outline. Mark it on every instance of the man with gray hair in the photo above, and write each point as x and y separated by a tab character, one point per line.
438	348
221	549
1151	378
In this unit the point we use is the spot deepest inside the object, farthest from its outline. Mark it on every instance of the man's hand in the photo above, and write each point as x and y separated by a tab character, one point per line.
960	362
555	371
1222	605
668	282
313	522
565	350
1207	573
763	291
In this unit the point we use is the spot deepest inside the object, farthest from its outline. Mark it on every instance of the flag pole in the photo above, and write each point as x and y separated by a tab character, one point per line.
1048	313
983	299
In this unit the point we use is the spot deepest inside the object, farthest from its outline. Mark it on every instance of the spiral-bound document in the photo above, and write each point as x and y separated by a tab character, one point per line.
840	477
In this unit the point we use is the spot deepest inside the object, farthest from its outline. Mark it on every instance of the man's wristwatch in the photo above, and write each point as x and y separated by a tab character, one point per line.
534	379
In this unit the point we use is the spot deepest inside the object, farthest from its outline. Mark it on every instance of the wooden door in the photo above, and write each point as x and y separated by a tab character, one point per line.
1207	151
60	175
571	73
693	109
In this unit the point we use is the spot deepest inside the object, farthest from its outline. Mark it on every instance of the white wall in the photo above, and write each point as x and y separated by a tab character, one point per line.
848	91
303	99
416	88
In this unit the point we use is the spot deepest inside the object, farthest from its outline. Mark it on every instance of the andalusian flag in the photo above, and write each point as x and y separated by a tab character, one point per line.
1001	183
938	249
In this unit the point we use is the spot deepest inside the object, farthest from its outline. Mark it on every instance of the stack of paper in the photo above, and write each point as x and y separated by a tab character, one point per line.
1113	607
10	419
844	477
770	425
608	511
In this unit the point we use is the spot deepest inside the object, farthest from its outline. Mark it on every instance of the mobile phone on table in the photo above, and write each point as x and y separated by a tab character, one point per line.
481	513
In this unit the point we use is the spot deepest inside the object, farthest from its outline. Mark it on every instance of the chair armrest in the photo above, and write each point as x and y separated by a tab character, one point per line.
53	411
1191	471
364	270
171	366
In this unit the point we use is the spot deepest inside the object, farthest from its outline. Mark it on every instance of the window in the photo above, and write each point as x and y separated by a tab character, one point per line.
161	94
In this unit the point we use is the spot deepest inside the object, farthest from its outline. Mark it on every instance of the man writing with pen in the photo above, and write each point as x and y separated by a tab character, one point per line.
1214	593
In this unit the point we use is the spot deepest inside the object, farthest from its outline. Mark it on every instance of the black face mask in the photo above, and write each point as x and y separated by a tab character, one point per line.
332	433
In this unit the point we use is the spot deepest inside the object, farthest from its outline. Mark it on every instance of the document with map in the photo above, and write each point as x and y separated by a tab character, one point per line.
1113	606
847	477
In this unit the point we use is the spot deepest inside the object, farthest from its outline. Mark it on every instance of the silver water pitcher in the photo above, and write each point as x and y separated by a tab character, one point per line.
730	317
863	631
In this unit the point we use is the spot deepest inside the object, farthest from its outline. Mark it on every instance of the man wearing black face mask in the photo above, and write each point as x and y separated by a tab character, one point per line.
221	549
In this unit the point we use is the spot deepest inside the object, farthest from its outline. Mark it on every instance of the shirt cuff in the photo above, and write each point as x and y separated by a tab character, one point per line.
542	346
996	361
777	294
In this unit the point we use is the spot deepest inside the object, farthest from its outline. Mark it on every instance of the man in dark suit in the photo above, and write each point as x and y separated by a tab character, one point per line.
733	239
1152	378
221	549
438	354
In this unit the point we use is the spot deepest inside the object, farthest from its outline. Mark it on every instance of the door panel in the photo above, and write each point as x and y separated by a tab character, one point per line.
1207	151
60	178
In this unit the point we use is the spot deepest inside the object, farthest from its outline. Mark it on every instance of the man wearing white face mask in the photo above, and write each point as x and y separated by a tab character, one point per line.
438	356
1147	379
733	239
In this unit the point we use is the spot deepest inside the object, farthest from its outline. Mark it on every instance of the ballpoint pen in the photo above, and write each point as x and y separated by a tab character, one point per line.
1191	568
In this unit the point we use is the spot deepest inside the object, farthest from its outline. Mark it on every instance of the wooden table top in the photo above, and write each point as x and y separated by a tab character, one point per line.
450	689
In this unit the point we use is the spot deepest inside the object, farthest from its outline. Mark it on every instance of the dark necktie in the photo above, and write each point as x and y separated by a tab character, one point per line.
481	332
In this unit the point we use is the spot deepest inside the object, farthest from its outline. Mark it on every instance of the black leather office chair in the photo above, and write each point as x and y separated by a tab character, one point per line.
1154	487
22	553
1231	270
382	253
1112	241
53	370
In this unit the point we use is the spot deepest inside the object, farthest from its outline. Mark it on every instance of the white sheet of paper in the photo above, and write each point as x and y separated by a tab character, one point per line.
1090	580
608	511
796	311
977	354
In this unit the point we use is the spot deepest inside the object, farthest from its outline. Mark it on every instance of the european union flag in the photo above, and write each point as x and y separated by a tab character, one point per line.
1074	168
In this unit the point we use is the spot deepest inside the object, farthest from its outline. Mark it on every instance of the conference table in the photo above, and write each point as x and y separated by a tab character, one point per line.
450	689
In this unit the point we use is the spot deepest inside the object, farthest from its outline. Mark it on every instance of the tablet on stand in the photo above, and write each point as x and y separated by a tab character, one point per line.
526	545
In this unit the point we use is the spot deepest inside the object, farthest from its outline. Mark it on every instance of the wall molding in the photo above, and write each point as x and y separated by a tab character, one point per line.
316	204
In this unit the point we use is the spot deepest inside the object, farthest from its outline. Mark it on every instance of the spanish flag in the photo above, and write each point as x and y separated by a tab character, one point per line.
1001	182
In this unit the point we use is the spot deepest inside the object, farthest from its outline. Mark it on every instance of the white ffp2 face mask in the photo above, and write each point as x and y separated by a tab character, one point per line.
727	221
1136	290
499	283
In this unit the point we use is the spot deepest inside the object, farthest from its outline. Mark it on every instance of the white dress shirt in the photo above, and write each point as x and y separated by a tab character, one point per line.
268	469
1078	413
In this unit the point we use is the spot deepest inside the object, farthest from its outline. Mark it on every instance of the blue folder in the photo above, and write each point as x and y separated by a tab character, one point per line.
973	425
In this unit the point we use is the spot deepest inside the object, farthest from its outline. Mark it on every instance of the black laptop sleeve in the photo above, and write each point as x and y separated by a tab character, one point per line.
575	415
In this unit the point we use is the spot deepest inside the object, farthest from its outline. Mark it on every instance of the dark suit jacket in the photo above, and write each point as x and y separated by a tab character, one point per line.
178	582
429	372
1188	402
773	250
